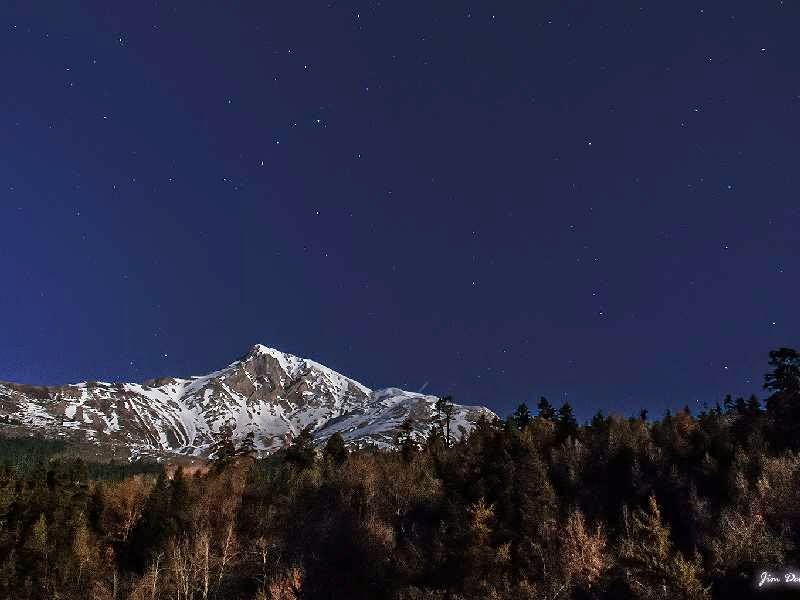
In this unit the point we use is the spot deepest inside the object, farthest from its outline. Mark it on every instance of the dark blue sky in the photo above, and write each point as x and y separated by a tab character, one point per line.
591	201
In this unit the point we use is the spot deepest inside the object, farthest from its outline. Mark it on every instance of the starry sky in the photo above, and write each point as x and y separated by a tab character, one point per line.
596	202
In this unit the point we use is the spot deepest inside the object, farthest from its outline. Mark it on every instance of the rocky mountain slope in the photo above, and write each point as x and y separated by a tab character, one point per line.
267	392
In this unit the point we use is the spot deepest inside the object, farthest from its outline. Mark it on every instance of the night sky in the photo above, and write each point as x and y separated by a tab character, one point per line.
595	202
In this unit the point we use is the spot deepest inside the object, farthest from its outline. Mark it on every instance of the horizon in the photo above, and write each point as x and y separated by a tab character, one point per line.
531	403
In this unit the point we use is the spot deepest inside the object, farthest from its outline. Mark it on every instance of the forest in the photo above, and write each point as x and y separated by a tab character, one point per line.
535	506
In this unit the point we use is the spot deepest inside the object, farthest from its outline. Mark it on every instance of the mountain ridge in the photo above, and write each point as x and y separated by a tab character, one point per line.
266	392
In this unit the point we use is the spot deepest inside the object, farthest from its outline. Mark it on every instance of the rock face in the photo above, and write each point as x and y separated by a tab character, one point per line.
267	392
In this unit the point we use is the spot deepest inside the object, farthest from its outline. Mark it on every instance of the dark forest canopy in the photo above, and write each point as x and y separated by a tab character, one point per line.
536	506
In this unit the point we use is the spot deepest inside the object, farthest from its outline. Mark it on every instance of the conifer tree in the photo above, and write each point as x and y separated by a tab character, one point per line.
445	410
335	450
301	452
546	410
153	527
522	416
785	375
783	406
223	449
753	406
728	404
408	448
598	421
567	425
180	516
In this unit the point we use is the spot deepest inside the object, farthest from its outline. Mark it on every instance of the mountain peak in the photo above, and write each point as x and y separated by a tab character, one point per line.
262	350
267	392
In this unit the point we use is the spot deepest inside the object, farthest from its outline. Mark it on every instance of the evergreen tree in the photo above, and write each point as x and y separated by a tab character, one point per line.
598	421
301	452
223	449
753	406
408	448
153	527
180	515
335	450
546	410
783	406
445	410
567	425
435	441
522	416
785	376
728	404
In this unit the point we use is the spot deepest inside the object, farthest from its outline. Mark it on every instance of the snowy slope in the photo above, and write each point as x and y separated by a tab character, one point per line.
268	392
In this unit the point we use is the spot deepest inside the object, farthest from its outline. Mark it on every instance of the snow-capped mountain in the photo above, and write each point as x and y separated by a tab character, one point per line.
267	392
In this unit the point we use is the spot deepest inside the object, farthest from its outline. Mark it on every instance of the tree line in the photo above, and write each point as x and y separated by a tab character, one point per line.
535	506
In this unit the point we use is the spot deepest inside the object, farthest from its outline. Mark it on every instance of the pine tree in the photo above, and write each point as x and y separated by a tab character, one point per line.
567	425
785	376
301	452
153	527
522	416
445	410
753	406
335	450
728	404
223	449
408	448
180	516
783	406
599	421
546	410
